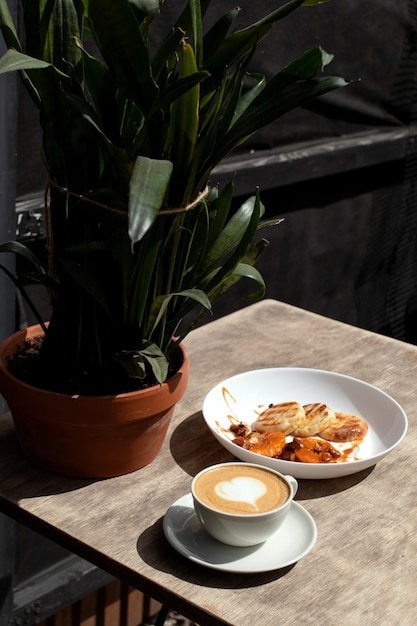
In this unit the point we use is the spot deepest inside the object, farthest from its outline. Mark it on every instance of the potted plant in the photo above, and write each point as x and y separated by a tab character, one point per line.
139	244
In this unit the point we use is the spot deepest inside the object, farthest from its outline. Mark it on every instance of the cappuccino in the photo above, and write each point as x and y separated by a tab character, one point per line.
241	489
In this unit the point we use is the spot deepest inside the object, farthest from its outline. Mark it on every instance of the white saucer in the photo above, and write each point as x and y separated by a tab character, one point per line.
288	545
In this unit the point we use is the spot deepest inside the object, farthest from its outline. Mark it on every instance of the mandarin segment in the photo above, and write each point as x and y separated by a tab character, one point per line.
312	450
269	444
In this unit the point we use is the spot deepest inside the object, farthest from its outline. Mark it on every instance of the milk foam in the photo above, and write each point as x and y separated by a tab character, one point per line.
241	489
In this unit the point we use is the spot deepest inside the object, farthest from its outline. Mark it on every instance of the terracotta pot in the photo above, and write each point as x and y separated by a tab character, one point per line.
89	436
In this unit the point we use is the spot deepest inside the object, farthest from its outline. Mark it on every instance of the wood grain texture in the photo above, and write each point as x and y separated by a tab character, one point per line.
363	565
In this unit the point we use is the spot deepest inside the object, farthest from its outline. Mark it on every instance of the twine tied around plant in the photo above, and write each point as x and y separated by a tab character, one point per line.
64	190
188	206
83	198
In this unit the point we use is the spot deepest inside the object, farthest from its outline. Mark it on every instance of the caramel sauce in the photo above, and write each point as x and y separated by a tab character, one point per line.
346	454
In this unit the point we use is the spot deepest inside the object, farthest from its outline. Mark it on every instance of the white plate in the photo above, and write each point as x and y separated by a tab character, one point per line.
244	396
293	540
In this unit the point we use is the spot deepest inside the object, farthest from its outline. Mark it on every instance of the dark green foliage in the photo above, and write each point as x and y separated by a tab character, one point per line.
138	239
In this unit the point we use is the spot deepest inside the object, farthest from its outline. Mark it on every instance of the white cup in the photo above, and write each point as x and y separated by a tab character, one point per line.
242	504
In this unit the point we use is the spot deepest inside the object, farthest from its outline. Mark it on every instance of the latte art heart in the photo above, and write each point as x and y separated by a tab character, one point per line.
241	489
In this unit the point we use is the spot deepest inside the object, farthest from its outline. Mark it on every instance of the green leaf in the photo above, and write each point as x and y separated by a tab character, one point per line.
218	31
40	275
15	247
148	187
160	305
146	7
40	78
243	41
8	28
248	97
286	91
157	360
19	285
313	3
197	30
279	14
185	21
304	67
219	288
176	90
183	128
232	233
135	361
142	279
124	49
13	61
166	53
242	270
219	212
232	102
102	92
61	22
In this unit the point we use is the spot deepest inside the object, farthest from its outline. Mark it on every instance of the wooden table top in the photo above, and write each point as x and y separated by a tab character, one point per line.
363	567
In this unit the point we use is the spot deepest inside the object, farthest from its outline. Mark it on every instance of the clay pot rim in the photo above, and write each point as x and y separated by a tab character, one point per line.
34	331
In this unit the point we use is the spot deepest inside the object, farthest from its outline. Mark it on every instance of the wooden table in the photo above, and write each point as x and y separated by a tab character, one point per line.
363	568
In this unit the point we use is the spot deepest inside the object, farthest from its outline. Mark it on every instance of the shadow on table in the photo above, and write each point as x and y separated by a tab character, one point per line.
22	479
203	449
170	561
